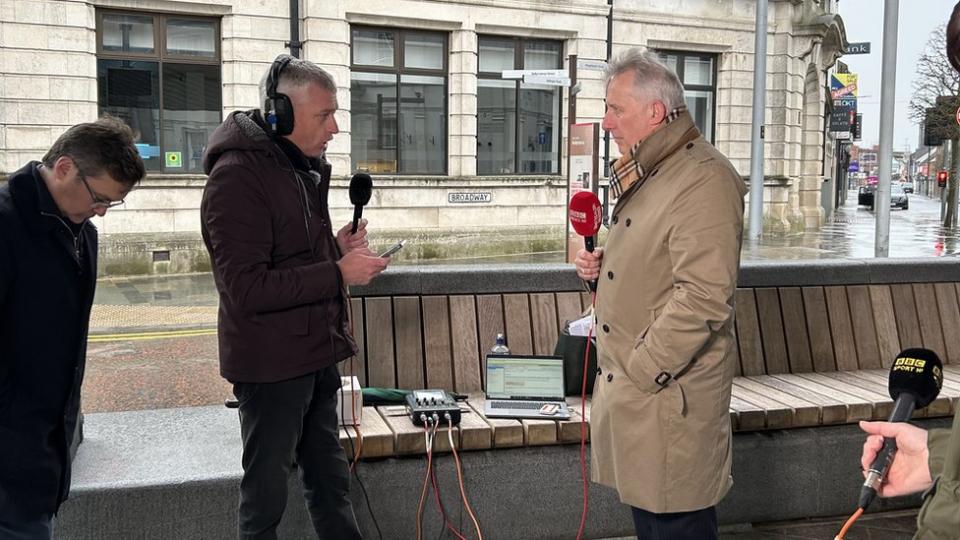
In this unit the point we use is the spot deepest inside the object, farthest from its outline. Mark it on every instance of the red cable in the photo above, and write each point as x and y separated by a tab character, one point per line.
443	513
426	481
583	424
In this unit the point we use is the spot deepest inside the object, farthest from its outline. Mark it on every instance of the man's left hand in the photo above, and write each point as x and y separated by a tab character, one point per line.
348	242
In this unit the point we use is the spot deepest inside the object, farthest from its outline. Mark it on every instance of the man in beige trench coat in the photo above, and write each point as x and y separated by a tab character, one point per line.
660	428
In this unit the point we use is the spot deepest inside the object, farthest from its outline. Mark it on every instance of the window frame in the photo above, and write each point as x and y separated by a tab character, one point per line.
715	60
161	57
518	64
399	69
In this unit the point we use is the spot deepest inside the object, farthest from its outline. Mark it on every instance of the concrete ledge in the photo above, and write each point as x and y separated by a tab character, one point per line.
503	278
175	474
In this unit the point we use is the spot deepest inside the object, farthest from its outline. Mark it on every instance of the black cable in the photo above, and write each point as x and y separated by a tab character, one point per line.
350	460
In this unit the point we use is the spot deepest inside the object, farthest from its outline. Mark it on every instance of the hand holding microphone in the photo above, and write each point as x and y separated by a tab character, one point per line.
586	215
915	380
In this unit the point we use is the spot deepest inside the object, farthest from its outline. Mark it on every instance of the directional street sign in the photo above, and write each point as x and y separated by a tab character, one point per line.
552	81
591	65
523	73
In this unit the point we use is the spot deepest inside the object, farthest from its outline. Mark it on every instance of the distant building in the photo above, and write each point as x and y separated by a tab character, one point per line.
424	106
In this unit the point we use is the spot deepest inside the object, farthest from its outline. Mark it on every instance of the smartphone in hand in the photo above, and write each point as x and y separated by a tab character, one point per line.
393	249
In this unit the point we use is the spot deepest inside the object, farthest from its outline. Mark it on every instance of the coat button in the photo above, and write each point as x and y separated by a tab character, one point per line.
599	371
616	219
606	329
689	146
610	275
609	377
628	222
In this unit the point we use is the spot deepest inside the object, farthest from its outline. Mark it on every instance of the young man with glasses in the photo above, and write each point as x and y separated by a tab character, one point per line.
48	270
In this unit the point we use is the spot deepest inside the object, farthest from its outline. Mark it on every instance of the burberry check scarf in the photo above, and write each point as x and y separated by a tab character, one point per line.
625	171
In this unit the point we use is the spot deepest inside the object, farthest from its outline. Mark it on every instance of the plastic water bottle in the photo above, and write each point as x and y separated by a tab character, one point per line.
500	347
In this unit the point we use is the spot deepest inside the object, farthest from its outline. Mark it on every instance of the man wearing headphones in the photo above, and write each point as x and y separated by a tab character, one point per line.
282	276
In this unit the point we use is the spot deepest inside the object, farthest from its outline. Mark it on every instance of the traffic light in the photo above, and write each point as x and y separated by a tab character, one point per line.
942	179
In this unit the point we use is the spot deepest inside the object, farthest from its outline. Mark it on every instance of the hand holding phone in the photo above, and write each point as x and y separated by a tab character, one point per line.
393	249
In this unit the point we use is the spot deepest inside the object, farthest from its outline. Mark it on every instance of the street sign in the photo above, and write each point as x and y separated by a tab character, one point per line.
552	81
523	73
862	47
591	65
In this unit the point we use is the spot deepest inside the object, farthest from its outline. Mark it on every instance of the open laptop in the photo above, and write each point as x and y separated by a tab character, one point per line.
525	387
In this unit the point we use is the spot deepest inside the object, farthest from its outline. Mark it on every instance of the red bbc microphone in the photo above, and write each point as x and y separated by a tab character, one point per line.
586	214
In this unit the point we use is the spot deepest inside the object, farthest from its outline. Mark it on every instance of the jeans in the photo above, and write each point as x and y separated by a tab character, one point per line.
287	422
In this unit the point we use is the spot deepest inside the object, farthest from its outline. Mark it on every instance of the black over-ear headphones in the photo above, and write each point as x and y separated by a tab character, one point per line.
279	109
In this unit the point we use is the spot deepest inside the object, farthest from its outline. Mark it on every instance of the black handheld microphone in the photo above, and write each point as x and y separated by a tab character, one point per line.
361	187
915	380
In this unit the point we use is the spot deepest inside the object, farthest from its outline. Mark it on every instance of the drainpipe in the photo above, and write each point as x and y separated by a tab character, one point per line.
294	44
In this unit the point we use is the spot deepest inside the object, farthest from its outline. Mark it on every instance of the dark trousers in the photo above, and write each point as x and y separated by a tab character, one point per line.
40	528
696	525
287	422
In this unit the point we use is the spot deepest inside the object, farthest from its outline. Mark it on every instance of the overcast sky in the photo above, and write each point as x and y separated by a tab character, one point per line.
863	20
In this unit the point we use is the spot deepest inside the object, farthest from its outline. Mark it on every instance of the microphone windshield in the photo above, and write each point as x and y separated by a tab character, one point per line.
918	372
586	213
361	186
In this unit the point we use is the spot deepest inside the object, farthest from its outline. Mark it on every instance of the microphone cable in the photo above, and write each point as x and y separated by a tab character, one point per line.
463	491
443	511
849	523
428	439
583	418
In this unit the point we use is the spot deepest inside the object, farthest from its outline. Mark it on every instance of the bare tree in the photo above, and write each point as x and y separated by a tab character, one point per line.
935	101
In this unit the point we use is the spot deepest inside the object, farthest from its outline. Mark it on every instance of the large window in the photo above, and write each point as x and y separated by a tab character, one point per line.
518	124
161	75
698	74
398	105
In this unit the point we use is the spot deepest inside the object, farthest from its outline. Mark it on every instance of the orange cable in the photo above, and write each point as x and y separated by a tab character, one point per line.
463	491
848	524
443	513
426	480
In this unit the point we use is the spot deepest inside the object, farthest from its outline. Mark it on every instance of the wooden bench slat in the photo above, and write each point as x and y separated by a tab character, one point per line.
880	377
475	433
795	329
439	357
880	404
771	331
818	324
570	430
407	329
543	311
357	365
749	416
908	325
857	408
841	329
864	329
885	321
804	412
409	439
778	415
378	440
568	308
929	317
380	354
489	324
748	332
950	319
516	309
831	410
466	354
507	433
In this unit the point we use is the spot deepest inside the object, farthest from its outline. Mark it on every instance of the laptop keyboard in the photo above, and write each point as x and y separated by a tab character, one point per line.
533	405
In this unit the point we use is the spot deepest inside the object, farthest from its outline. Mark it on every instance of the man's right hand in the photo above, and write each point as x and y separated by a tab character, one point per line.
360	266
588	263
909	472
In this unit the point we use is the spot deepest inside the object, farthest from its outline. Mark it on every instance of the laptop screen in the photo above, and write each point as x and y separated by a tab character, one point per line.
524	377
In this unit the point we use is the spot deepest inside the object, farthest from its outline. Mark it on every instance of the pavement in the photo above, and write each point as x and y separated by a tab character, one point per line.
153	339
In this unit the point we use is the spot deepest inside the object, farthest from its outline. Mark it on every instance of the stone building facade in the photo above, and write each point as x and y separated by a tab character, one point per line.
465	162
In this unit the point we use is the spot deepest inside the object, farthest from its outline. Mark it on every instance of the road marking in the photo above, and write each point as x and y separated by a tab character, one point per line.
134	336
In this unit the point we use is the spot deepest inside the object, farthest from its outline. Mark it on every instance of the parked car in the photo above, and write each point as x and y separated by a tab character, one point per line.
898	197
907	188
865	196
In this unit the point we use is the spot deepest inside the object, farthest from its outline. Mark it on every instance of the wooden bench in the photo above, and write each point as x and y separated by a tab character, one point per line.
815	340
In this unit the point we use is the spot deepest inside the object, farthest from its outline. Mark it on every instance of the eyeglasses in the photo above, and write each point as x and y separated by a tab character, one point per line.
99	203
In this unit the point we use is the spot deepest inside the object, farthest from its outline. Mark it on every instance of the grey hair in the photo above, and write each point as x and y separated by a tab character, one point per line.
652	78
297	74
